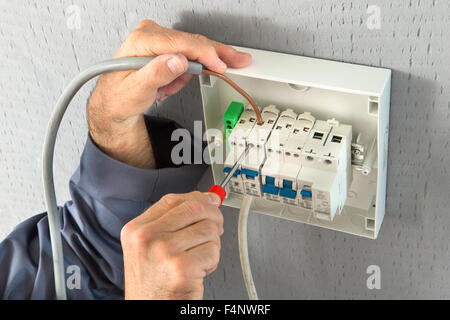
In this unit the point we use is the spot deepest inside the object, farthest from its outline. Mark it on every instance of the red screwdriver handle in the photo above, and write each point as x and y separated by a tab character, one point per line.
219	191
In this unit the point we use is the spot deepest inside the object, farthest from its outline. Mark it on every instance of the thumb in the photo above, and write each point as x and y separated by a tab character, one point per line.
162	70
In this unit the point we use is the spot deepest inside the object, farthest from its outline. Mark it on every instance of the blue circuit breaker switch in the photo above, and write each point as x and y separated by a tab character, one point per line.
228	169
306	193
270	187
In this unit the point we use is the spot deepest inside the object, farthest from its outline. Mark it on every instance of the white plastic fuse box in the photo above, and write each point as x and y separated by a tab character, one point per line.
321	155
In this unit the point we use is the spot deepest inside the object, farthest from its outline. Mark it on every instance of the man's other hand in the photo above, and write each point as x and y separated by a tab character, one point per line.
171	247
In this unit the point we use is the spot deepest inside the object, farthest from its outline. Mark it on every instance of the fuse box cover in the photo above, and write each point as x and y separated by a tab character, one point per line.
353	94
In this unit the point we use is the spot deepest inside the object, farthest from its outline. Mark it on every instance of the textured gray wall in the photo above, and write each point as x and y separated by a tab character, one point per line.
39	54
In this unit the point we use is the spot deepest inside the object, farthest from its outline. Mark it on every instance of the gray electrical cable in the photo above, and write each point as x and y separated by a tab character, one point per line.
243	247
120	64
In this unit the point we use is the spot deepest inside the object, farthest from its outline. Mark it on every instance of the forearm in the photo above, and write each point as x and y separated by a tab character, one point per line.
126	140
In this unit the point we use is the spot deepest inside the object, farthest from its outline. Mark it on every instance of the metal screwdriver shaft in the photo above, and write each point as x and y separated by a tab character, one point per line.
219	189
230	174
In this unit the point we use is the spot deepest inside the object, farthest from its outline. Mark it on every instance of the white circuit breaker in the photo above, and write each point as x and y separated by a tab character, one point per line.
237	142
326	171
251	167
290	193
321	155
274	148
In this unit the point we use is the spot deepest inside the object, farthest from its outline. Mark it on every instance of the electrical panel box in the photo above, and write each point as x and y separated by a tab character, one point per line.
320	156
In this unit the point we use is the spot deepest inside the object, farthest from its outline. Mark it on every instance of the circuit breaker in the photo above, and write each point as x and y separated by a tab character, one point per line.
320	155
298	162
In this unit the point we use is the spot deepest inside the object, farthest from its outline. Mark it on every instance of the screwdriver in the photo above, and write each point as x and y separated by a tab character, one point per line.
219	189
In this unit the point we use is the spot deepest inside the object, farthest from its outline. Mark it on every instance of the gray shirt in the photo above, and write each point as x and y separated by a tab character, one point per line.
105	194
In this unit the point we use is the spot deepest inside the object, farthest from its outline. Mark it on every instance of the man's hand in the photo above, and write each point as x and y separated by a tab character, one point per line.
172	246
115	109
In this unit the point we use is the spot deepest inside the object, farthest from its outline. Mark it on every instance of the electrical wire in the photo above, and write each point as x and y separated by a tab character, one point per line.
243	247
48	152
120	64
259	119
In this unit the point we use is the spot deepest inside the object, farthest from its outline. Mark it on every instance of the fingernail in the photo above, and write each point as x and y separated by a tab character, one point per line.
246	53
160	94
175	66
213	198
221	64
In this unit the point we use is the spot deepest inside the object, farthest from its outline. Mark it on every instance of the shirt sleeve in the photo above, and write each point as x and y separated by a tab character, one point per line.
105	195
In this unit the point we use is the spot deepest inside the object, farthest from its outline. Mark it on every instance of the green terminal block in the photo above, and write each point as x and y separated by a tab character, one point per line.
231	117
